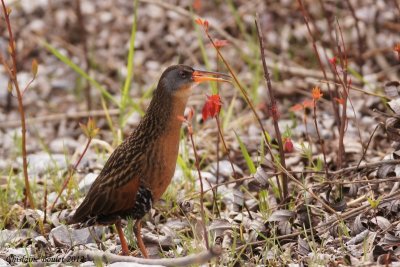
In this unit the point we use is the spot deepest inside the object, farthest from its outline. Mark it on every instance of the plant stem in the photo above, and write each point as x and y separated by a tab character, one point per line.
343	122
334	105
274	111
203	217
321	142
83	34
244	93
21	110
225	146
71	173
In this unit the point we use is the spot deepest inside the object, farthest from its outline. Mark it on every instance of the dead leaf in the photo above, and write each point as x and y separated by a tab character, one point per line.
281	216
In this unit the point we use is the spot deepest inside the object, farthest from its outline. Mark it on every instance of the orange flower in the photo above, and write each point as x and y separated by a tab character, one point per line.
316	93
196	5
220	43
212	107
199	21
203	23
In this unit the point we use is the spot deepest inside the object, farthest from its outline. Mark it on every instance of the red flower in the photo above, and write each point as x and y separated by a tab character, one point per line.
212	107
397	49
288	145
333	60
339	100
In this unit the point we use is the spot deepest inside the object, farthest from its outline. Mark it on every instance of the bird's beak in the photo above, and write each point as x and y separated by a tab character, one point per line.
200	76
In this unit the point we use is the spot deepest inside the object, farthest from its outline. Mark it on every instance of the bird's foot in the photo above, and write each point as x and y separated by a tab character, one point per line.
125	253
135	253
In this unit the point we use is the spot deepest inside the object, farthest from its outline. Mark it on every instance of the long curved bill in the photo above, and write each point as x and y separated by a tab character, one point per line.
200	76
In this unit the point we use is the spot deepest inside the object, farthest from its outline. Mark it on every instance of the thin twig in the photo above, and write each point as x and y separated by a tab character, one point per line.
371	165
195	259
343	81
244	93
82	35
217	178
352	87
203	217
373	181
71	173
329	223
45	202
274	110
314	44
59	117
321	142
369	142
360	41
21	110
225	146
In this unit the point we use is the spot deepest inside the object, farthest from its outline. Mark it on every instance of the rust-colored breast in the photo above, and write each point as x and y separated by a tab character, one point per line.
165	152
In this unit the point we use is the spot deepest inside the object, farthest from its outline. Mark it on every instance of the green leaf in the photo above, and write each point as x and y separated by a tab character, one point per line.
131	54
268	137
90	129
9	86
84	129
374	203
80	71
246	155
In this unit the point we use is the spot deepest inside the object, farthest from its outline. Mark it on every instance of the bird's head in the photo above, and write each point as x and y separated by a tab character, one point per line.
178	79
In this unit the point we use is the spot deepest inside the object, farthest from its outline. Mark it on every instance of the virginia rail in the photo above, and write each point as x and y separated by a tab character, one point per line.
141	167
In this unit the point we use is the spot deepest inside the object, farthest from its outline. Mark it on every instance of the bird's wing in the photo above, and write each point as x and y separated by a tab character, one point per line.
115	188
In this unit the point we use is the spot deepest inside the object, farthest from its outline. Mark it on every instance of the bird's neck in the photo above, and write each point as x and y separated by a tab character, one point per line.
162	114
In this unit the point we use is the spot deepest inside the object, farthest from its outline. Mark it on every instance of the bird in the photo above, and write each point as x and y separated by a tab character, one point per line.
140	169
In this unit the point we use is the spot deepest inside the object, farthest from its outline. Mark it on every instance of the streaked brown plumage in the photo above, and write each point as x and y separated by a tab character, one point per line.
141	168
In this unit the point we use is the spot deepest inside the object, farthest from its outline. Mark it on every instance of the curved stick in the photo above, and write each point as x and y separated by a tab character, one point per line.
199	258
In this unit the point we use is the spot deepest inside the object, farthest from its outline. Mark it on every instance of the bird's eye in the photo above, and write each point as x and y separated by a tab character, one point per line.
182	74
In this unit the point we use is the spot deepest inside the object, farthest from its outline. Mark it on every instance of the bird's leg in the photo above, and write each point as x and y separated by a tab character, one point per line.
137	228
124	245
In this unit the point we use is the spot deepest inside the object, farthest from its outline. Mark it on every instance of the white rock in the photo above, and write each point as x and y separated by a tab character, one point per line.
225	168
41	162
130	264
60	144
4	263
87	182
30	6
